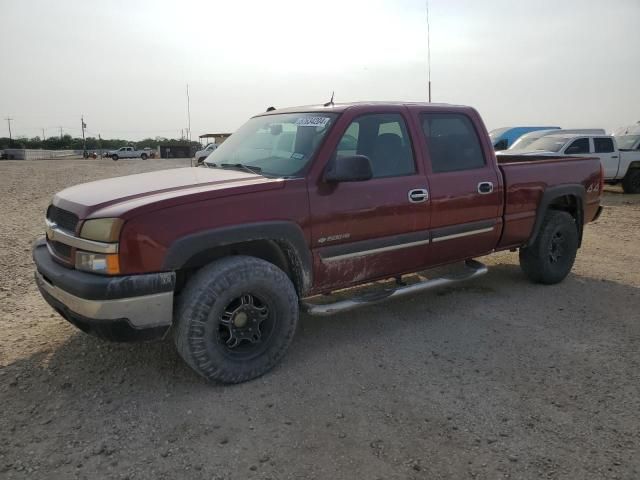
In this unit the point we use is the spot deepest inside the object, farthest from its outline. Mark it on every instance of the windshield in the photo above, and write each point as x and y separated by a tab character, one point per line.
626	142
524	142
549	144
275	145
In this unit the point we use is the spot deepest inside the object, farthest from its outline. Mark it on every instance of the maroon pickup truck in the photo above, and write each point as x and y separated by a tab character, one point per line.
295	205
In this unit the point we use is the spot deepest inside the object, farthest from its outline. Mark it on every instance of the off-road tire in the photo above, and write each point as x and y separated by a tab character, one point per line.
204	300
537	260
114	158
144	156
631	181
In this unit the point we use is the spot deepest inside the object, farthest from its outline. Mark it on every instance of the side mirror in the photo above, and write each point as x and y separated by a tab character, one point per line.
356	168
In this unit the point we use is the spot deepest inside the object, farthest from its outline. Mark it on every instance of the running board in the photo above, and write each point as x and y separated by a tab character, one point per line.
472	269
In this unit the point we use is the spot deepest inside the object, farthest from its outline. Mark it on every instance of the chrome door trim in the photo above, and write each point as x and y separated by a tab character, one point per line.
362	253
463	234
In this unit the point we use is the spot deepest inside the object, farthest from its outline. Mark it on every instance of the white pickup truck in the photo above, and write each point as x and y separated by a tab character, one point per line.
201	155
619	165
130	152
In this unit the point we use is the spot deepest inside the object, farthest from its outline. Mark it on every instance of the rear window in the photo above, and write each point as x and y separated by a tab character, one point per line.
603	145
452	142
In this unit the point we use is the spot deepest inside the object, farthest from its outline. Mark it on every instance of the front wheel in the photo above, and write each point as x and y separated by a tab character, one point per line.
236	319
550	258
114	157
631	181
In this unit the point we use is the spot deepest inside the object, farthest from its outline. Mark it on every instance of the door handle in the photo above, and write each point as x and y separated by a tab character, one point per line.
614	156
484	188
418	195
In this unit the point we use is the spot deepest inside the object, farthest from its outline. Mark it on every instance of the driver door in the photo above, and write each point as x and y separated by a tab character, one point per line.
375	228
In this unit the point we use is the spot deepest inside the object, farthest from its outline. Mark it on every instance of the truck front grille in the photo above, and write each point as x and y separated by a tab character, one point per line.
62	218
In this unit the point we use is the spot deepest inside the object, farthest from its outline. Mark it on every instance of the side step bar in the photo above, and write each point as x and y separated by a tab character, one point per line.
472	269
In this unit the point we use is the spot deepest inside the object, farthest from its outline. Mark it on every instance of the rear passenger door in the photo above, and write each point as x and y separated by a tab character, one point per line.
464	188
609	158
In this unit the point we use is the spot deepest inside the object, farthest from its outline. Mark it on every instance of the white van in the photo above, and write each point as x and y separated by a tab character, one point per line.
628	138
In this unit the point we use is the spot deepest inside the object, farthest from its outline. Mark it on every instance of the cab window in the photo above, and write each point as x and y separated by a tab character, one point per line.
452	142
383	138
603	145
579	146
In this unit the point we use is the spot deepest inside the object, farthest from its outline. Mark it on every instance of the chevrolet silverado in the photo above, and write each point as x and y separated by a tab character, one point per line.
298	204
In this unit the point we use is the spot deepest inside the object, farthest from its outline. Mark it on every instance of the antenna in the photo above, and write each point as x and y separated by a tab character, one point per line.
188	115
428	50
330	102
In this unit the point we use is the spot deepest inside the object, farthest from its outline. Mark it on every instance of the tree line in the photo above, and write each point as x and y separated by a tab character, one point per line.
67	142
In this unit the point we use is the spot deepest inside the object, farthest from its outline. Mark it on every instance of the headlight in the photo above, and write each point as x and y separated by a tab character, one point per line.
102	229
105	264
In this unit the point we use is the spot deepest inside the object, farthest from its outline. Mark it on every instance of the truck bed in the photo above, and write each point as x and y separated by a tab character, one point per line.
522	195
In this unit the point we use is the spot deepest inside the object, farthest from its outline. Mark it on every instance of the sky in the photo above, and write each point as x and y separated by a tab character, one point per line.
125	65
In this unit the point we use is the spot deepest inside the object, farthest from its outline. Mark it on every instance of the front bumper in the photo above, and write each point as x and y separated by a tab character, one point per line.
121	308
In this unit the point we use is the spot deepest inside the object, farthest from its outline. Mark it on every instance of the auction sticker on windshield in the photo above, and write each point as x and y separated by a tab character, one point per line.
312	121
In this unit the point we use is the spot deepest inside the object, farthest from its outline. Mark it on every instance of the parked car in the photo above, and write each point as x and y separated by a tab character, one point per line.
525	140
285	212
200	155
502	138
619	166
628	138
131	152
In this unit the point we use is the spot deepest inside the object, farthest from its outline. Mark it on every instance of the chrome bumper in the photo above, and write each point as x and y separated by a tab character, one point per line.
146	311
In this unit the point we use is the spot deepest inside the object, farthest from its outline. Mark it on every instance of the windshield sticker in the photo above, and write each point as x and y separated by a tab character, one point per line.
312	121
297	156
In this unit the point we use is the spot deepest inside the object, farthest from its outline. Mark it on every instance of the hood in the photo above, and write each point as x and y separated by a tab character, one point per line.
141	189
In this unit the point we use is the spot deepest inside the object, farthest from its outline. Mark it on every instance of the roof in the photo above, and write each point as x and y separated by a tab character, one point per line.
574	135
209	135
341	107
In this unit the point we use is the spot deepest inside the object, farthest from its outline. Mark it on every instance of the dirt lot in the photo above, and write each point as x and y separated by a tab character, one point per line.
496	378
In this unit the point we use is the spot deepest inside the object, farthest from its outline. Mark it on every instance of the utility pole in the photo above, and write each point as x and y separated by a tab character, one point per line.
9	120
43	137
60	133
428	51
188	115
84	141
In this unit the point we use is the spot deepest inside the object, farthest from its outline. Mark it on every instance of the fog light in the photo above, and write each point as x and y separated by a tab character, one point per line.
104	264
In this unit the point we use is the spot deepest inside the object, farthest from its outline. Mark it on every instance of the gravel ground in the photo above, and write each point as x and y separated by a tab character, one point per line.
495	378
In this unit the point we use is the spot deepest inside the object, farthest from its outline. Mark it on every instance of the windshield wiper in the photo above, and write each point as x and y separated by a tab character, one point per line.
246	168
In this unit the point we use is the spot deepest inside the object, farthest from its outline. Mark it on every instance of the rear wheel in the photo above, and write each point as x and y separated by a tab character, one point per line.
631	181
144	156
550	258
236	319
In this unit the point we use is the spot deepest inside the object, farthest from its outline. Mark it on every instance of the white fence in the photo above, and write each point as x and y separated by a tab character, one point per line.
33	154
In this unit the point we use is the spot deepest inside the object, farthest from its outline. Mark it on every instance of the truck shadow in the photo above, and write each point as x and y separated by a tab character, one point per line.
86	367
